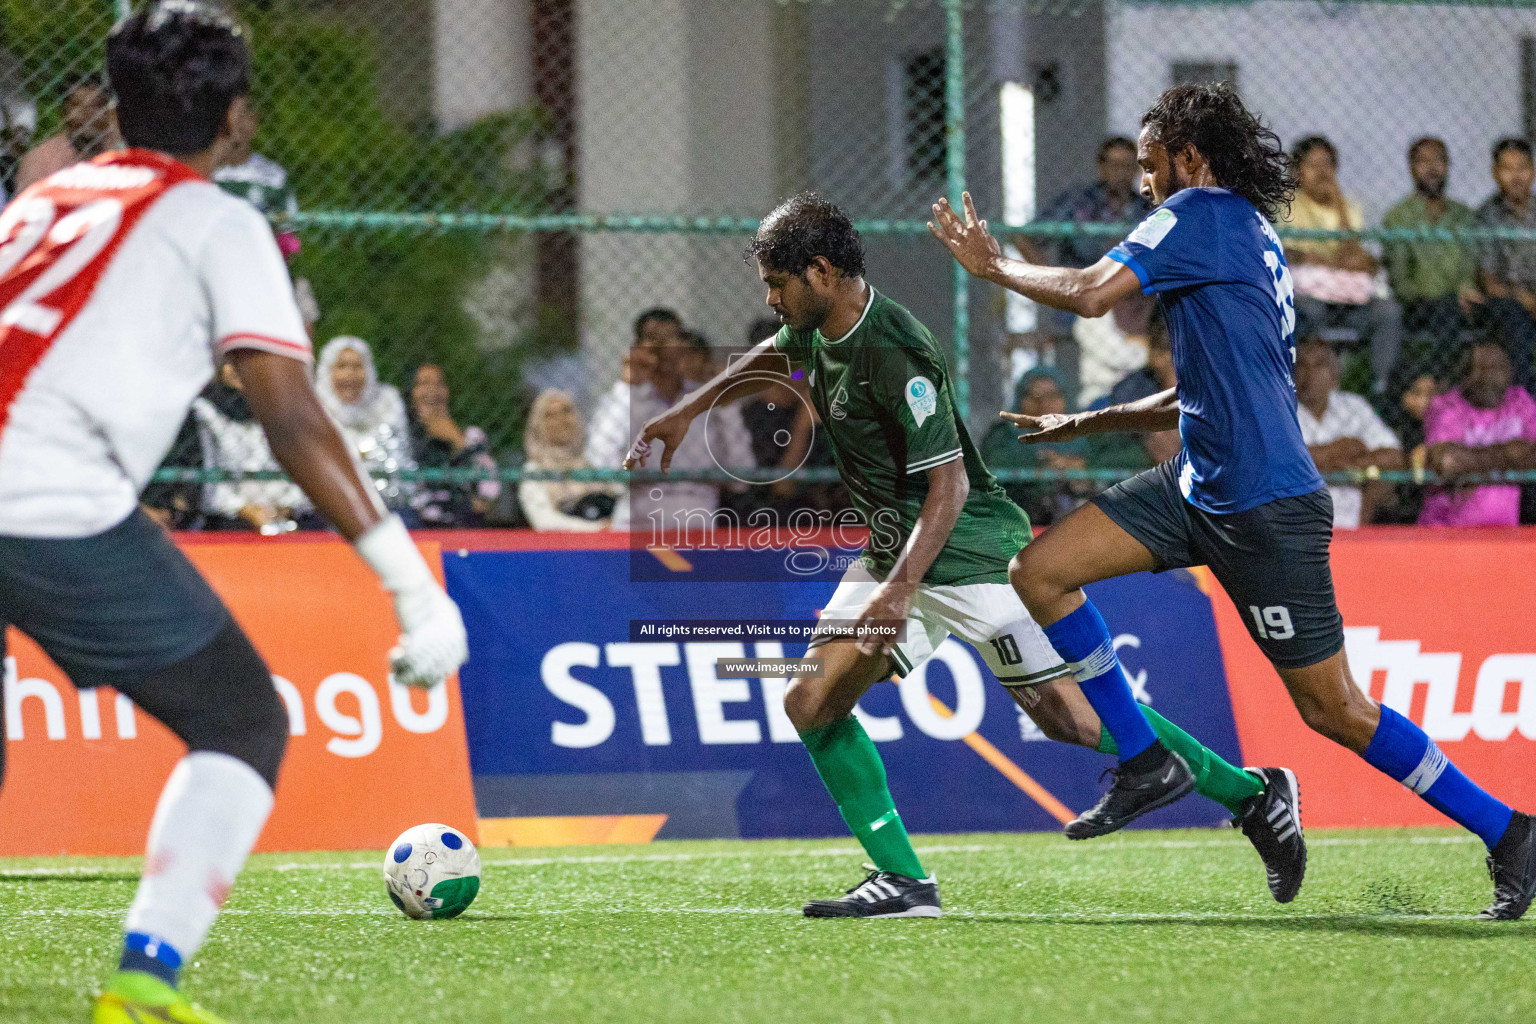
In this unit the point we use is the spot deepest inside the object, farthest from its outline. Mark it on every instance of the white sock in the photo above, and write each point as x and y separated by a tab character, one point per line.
211	811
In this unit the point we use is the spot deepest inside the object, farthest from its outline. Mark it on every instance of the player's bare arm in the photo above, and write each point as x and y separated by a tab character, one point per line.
1150	415
306	443
1090	292
745	376
948	487
309	447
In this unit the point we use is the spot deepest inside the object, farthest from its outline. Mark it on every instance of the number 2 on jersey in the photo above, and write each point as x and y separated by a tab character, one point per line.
79	237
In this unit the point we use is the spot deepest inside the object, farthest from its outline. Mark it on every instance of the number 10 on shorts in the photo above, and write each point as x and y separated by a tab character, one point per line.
1273	623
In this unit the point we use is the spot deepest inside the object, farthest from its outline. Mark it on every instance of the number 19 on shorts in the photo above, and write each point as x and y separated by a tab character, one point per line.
1272	623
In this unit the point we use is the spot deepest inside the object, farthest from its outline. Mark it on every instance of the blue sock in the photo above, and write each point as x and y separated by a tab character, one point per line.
152	956
1082	639
1402	750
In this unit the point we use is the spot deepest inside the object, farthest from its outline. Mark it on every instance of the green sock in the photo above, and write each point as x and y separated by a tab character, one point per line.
1231	787
853	773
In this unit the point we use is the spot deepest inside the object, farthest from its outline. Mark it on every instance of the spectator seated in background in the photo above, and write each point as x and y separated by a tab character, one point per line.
438	442
552	440
1413	389
1486	424
1435	282
264	184
90	129
1039	393
1336	280
782	426
612	426
698	358
179	505
724	443
371	416
18	121
1507	269
1093	354
1113	198
233	441
1140	451
1343	432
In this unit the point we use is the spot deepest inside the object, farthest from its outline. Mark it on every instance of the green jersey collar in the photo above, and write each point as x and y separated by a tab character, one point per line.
857	324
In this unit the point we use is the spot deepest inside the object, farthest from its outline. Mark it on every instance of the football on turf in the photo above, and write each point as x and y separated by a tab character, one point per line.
432	872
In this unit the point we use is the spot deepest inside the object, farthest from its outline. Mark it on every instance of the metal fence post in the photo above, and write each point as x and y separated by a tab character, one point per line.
954	138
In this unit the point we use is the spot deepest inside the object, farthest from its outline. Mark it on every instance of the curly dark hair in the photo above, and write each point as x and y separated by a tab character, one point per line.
176	67
803	227
1245	154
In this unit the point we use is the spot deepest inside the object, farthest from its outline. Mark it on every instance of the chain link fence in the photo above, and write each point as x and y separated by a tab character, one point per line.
500	187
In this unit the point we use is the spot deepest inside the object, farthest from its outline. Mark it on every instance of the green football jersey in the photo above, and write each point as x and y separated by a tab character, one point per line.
884	396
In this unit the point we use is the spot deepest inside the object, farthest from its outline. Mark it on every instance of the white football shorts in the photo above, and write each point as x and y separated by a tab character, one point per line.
988	616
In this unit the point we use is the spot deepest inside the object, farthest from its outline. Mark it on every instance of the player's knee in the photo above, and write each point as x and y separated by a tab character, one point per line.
1033	581
814	703
803	704
255	729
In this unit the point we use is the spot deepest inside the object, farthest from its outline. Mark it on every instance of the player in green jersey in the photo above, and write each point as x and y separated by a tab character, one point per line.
942	532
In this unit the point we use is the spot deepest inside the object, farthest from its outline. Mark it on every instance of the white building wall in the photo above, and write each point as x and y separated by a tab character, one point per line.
1372	77
483	59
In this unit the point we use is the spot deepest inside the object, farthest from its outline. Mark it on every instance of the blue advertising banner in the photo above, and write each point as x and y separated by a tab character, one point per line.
569	713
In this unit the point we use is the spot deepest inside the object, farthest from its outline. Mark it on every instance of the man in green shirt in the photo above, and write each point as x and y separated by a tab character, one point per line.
1435	281
942	532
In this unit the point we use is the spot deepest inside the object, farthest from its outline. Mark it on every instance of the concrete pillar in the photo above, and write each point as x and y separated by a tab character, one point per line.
483	59
676	116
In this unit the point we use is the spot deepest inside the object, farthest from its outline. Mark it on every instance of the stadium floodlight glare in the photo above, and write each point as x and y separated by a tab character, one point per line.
1018	131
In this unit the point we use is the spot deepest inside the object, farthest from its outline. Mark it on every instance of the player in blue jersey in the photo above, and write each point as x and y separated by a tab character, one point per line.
1244	496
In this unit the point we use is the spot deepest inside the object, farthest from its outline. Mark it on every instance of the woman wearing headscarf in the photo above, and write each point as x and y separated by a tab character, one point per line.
371	416
232	440
1039	392
553	440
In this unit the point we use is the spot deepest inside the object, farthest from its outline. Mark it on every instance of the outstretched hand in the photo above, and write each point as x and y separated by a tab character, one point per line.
669	428
1052	426
967	239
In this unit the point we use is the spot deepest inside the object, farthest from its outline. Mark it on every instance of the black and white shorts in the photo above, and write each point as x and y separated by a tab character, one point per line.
1271	560
112	609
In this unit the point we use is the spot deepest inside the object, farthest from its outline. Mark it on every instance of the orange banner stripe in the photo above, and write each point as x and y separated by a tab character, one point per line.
1010	771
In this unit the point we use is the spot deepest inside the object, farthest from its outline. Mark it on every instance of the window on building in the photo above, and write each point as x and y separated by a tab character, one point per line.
1528	85
924	150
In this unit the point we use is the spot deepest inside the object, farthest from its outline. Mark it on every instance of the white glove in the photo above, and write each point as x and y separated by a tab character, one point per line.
432	640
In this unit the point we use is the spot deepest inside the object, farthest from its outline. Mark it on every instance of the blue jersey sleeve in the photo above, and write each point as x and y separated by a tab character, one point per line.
1175	247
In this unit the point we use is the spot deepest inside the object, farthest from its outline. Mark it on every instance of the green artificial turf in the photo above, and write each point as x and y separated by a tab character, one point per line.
1154	926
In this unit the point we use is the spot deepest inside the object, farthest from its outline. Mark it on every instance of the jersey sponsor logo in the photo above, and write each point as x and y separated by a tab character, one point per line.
1154	229
922	398
839	402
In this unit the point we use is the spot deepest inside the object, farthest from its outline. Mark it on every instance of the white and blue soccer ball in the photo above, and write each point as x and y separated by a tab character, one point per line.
432	872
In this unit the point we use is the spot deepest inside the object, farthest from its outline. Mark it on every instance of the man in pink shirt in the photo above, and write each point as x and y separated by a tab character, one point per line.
1486	424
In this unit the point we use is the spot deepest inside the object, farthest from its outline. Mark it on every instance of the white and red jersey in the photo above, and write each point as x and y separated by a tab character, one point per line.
122	282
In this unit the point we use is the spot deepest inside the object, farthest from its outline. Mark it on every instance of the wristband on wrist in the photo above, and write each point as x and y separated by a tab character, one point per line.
391	553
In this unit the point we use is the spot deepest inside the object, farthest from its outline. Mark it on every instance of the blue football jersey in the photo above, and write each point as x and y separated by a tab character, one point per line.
1218	270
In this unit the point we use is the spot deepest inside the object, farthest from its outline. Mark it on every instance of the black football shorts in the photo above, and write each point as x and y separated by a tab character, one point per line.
1271	560
110	609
